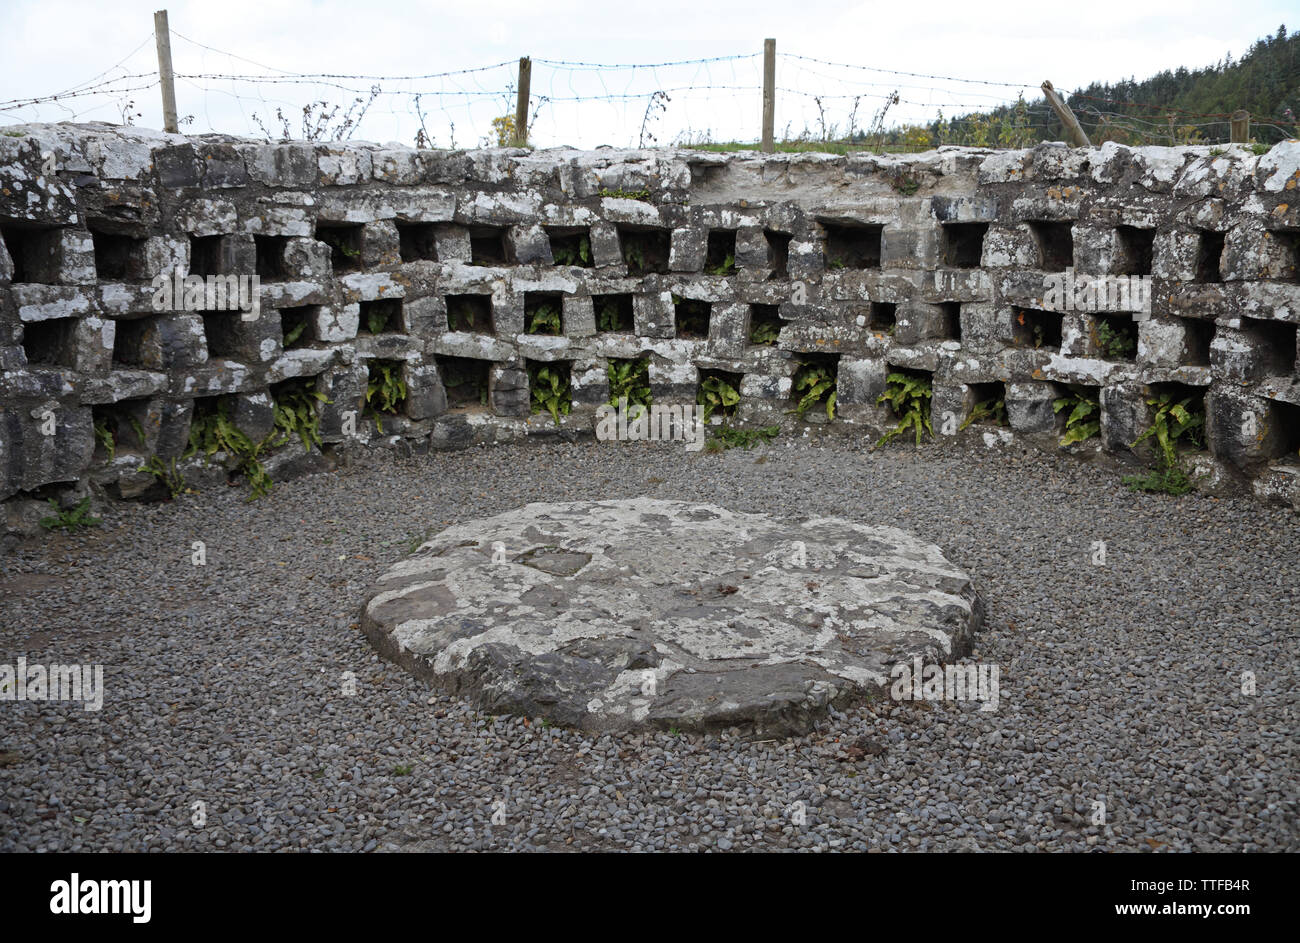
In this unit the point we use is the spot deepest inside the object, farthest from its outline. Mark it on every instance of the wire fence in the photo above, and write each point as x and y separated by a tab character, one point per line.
710	102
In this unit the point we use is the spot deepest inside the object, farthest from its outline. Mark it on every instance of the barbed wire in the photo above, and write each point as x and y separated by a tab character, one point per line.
638	100
917	75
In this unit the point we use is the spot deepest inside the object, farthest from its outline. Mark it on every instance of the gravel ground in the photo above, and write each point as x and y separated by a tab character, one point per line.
225	683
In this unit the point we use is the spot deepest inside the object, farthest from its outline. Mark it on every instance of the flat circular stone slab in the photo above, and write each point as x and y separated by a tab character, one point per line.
614	615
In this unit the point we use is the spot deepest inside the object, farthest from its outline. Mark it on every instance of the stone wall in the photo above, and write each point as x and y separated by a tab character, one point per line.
938	263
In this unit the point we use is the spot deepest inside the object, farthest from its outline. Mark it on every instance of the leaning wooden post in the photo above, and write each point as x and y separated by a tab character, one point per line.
1072	127
1240	127
769	95
521	107
163	36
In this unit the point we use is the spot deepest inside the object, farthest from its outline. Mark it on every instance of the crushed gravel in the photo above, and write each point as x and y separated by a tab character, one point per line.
226	684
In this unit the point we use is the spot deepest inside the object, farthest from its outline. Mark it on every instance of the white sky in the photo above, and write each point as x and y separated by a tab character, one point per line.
51	45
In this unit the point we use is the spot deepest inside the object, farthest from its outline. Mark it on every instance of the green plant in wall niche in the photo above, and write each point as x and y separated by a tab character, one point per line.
634	256
376	320
814	384
764	332
170	476
545	319
1173	422
549	390
726	267
717	395
1083	421
75	519
296	332
1115	344
579	254
630	379
296	413
461	314
105	438
385	390
215	432
835	264
608	315
994	409
909	398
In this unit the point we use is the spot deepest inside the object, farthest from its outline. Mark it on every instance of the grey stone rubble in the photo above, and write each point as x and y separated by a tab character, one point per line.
933	263
226	684
618	615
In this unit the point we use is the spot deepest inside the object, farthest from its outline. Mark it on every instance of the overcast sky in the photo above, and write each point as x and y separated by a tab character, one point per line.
49	46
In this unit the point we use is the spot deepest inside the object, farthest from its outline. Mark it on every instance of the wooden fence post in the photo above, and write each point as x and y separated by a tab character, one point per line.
163	37
521	107
1073	129
1240	127
769	95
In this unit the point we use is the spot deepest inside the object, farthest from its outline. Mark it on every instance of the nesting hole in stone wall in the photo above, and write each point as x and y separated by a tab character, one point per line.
963	244
1286	419
614	313
988	405
720	254
1136	248
1036	329
345	242
50	343
1055	243
1199	334
205	255
35	252
570	246
715	389
223	332
949	328
270	256
543	313
466	381
118	257
691	318
122	425
778	253
298	326
1290	240
487	245
1116	337
128	342
883	317
472	313
646	250
1279	338
852	245
417	242
381	316
764	324
1209	256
